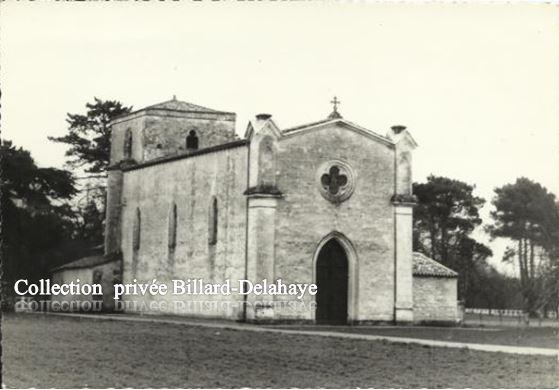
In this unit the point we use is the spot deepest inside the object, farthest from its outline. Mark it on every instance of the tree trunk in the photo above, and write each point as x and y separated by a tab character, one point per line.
532	266
444	246
520	264
433	234
524	281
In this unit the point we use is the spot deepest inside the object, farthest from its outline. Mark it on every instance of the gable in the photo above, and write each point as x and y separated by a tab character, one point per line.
337	122
304	158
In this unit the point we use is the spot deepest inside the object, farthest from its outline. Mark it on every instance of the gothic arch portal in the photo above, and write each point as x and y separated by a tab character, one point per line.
330	242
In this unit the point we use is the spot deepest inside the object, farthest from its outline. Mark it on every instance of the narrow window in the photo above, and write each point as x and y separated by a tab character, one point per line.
172	239
136	237
212	232
192	141
127	144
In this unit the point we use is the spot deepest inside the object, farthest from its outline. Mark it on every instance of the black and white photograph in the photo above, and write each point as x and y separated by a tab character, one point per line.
279	194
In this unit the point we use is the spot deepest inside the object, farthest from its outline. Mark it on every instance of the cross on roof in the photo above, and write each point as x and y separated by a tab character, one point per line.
335	113
335	102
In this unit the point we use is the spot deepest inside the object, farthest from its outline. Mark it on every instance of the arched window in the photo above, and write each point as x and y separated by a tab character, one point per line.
212	222
172	238
127	147
192	140
136	238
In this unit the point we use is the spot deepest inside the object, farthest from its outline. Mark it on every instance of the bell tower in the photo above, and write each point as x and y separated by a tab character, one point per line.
159	131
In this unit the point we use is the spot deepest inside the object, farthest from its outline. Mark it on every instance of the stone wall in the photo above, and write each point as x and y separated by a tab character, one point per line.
434	299
304	217
113	211
190	183
158	133
166	135
134	123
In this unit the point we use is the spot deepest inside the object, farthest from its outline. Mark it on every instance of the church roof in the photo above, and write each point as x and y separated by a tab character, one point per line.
425	266
175	105
88	261
179	105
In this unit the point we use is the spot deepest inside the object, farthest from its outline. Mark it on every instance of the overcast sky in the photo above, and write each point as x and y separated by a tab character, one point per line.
477	85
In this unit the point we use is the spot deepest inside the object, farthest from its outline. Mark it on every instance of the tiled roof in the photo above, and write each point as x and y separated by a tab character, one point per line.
180	106
89	261
424	266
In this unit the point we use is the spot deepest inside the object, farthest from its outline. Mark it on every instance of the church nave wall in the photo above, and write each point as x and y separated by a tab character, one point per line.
192	184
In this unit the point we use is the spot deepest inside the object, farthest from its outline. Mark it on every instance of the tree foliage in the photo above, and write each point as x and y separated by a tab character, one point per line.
490	289
89	135
446	214
89	223
527	213
36	219
88	139
25	183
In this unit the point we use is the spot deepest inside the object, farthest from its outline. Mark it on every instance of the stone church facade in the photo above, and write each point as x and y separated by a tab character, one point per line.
327	202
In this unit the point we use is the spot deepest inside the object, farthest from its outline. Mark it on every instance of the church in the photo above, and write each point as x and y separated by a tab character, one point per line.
328	202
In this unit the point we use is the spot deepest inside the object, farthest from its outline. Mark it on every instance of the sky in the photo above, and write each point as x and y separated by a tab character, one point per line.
476	84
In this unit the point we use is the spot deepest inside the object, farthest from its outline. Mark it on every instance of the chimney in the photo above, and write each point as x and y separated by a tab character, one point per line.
260	122
263	117
398	129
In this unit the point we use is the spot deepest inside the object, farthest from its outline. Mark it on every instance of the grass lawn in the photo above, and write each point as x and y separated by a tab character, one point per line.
522	337
50	351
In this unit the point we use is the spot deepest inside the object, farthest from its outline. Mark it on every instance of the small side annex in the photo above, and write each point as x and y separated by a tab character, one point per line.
434	291
95	269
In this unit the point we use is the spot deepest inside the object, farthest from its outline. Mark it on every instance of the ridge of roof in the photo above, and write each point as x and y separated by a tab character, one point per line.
173	105
180	105
310	124
184	155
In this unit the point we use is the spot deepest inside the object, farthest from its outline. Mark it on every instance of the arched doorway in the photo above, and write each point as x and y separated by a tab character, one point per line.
332	280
